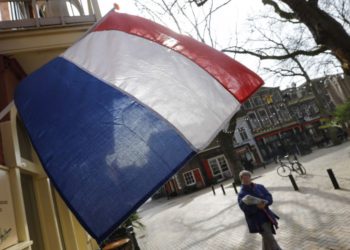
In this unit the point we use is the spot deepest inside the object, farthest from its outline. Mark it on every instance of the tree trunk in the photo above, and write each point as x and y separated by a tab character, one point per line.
325	29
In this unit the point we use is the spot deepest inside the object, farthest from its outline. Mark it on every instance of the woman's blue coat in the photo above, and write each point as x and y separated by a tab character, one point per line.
254	216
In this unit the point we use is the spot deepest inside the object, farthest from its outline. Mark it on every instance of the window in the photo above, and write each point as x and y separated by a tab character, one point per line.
257	101
214	167
222	163
219	167
24	141
276	96
247	104
243	133
189	178
268	99
307	110
303	110
284	113
314	109
234	139
264	117
296	112
254	122
273	115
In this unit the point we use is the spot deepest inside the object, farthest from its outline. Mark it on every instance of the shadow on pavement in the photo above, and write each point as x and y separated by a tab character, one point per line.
313	191
321	152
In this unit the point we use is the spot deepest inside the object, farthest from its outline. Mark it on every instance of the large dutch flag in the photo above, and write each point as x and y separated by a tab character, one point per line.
120	111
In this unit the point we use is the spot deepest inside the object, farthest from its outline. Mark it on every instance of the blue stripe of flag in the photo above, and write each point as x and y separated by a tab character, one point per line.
105	152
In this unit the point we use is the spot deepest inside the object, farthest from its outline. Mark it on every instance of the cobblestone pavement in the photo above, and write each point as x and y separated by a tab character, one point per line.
316	217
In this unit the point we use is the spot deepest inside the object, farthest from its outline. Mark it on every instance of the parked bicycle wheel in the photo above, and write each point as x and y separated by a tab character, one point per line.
283	171
300	169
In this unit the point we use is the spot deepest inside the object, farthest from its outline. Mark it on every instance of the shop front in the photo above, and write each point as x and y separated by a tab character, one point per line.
280	142
249	153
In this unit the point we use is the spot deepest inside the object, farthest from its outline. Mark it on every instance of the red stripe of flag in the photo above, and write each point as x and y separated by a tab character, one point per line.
233	76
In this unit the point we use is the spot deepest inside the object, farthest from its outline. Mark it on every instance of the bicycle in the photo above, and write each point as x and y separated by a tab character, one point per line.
286	167
300	169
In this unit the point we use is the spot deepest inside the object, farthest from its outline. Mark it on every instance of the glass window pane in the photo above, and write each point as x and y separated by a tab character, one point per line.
223	164
189	178
254	120
243	133
214	166
264	117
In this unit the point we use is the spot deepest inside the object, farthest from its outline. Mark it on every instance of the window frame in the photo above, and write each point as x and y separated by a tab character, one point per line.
248	104
284	112
221	171
258	101
192	176
253	124
266	122
242	130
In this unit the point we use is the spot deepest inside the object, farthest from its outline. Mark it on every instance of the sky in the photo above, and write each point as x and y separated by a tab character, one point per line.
230	23
236	12
126	6
233	14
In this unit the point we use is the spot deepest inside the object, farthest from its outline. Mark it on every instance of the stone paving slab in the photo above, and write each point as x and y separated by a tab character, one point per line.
316	217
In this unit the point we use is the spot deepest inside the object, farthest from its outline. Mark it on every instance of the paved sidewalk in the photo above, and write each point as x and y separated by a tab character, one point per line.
316	217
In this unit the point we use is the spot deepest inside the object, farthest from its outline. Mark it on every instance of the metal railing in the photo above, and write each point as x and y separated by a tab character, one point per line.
17	14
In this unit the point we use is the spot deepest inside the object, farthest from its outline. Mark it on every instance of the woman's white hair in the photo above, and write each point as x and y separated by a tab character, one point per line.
244	172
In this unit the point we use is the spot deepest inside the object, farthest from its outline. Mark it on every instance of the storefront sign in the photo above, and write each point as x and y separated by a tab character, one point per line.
8	233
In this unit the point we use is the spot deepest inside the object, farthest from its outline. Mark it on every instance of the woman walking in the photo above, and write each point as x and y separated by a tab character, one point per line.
254	200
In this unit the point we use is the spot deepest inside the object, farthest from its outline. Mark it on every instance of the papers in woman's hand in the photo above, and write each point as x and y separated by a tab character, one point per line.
252	200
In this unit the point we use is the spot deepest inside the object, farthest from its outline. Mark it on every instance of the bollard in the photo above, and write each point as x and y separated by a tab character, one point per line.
333	179
234	187
223	189
212	187
293	182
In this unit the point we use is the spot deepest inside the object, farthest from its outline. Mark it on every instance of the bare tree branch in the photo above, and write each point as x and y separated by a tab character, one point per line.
151	12
341	12
284	72
184	14
168	9
279	11
276	19
264	56
199	3
325	28
216	9
208	25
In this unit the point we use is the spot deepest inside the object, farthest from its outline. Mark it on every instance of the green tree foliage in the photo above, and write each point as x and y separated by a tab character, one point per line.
342	112
134	220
